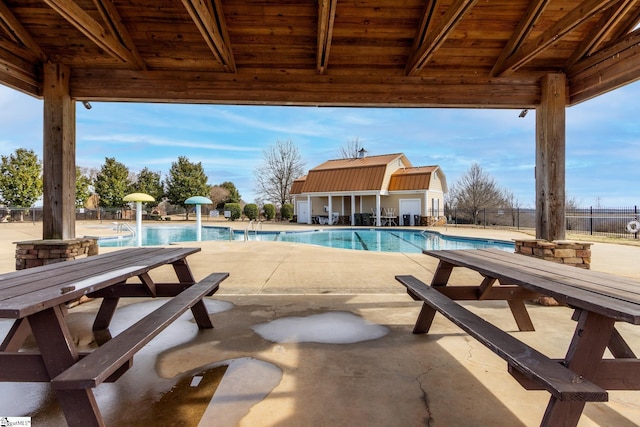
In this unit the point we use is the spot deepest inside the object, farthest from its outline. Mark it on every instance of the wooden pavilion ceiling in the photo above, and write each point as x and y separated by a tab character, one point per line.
414	53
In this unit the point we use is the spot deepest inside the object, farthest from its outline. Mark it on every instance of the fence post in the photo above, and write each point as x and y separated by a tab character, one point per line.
518	217
484	214
591	220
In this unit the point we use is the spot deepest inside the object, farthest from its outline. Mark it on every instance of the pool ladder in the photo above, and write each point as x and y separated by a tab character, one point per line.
253	226
121	225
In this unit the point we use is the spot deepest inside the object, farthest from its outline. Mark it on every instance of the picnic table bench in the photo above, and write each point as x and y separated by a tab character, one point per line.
599	301
36	299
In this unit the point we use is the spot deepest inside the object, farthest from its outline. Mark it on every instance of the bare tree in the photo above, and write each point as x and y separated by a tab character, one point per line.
282	165
474	191
218	195
511	205
351	150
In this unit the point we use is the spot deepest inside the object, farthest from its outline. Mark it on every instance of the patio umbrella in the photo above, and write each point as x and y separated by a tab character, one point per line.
138	198
198	200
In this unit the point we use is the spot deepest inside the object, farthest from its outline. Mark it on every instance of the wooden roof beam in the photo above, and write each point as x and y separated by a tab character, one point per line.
209	18
88	26
607	23
609	68
19	73
561	28
326	18
627	26
114	23
435	38
525	26
425	22
18	34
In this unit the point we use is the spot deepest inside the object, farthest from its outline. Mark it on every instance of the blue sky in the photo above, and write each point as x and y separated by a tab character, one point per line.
602	156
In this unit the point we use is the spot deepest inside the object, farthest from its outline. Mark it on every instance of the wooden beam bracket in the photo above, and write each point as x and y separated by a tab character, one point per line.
209	18
326	18
92	29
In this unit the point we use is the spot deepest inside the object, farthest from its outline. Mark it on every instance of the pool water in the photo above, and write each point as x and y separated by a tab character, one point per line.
363	239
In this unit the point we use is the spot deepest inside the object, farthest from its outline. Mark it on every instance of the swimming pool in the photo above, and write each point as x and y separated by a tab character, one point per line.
364	239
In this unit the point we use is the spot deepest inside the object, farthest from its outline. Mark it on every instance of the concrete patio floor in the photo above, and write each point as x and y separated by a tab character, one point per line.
399	379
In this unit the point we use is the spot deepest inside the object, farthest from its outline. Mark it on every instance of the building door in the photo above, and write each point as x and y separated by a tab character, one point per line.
303	212
409	207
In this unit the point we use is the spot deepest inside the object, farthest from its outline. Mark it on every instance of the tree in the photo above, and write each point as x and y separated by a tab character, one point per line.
112	183
234	194
83	190
185	179
149	182
219	196
474	191
512	205
282	165
351	150
20	179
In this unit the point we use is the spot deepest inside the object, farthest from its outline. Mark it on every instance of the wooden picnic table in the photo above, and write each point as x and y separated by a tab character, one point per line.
37	299
599	301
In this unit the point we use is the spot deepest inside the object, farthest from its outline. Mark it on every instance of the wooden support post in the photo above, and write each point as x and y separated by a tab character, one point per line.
59	155
550	159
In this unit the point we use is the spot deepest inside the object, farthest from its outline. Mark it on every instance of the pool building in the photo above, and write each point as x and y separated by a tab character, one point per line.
370	190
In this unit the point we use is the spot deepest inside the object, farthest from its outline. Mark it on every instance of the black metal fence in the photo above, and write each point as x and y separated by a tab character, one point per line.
610	222
102	214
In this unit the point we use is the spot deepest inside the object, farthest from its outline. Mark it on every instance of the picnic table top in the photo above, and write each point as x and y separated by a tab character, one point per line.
613	296
28	291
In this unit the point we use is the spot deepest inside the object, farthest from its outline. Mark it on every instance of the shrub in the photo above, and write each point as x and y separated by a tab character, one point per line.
235	210
286	211
250	211
269	211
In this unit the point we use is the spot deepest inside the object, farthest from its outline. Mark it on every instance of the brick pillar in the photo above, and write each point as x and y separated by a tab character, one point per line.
35	253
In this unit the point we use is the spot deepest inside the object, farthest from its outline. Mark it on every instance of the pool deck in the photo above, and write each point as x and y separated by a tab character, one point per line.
401	379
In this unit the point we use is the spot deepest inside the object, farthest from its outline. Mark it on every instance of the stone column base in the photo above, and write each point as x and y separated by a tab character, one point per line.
35	253
577	254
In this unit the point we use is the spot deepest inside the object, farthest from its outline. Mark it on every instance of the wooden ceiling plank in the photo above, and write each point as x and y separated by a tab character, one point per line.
561	28
95	32
326	19
112	19
607	23
16	32
437	36
525	26
209	18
